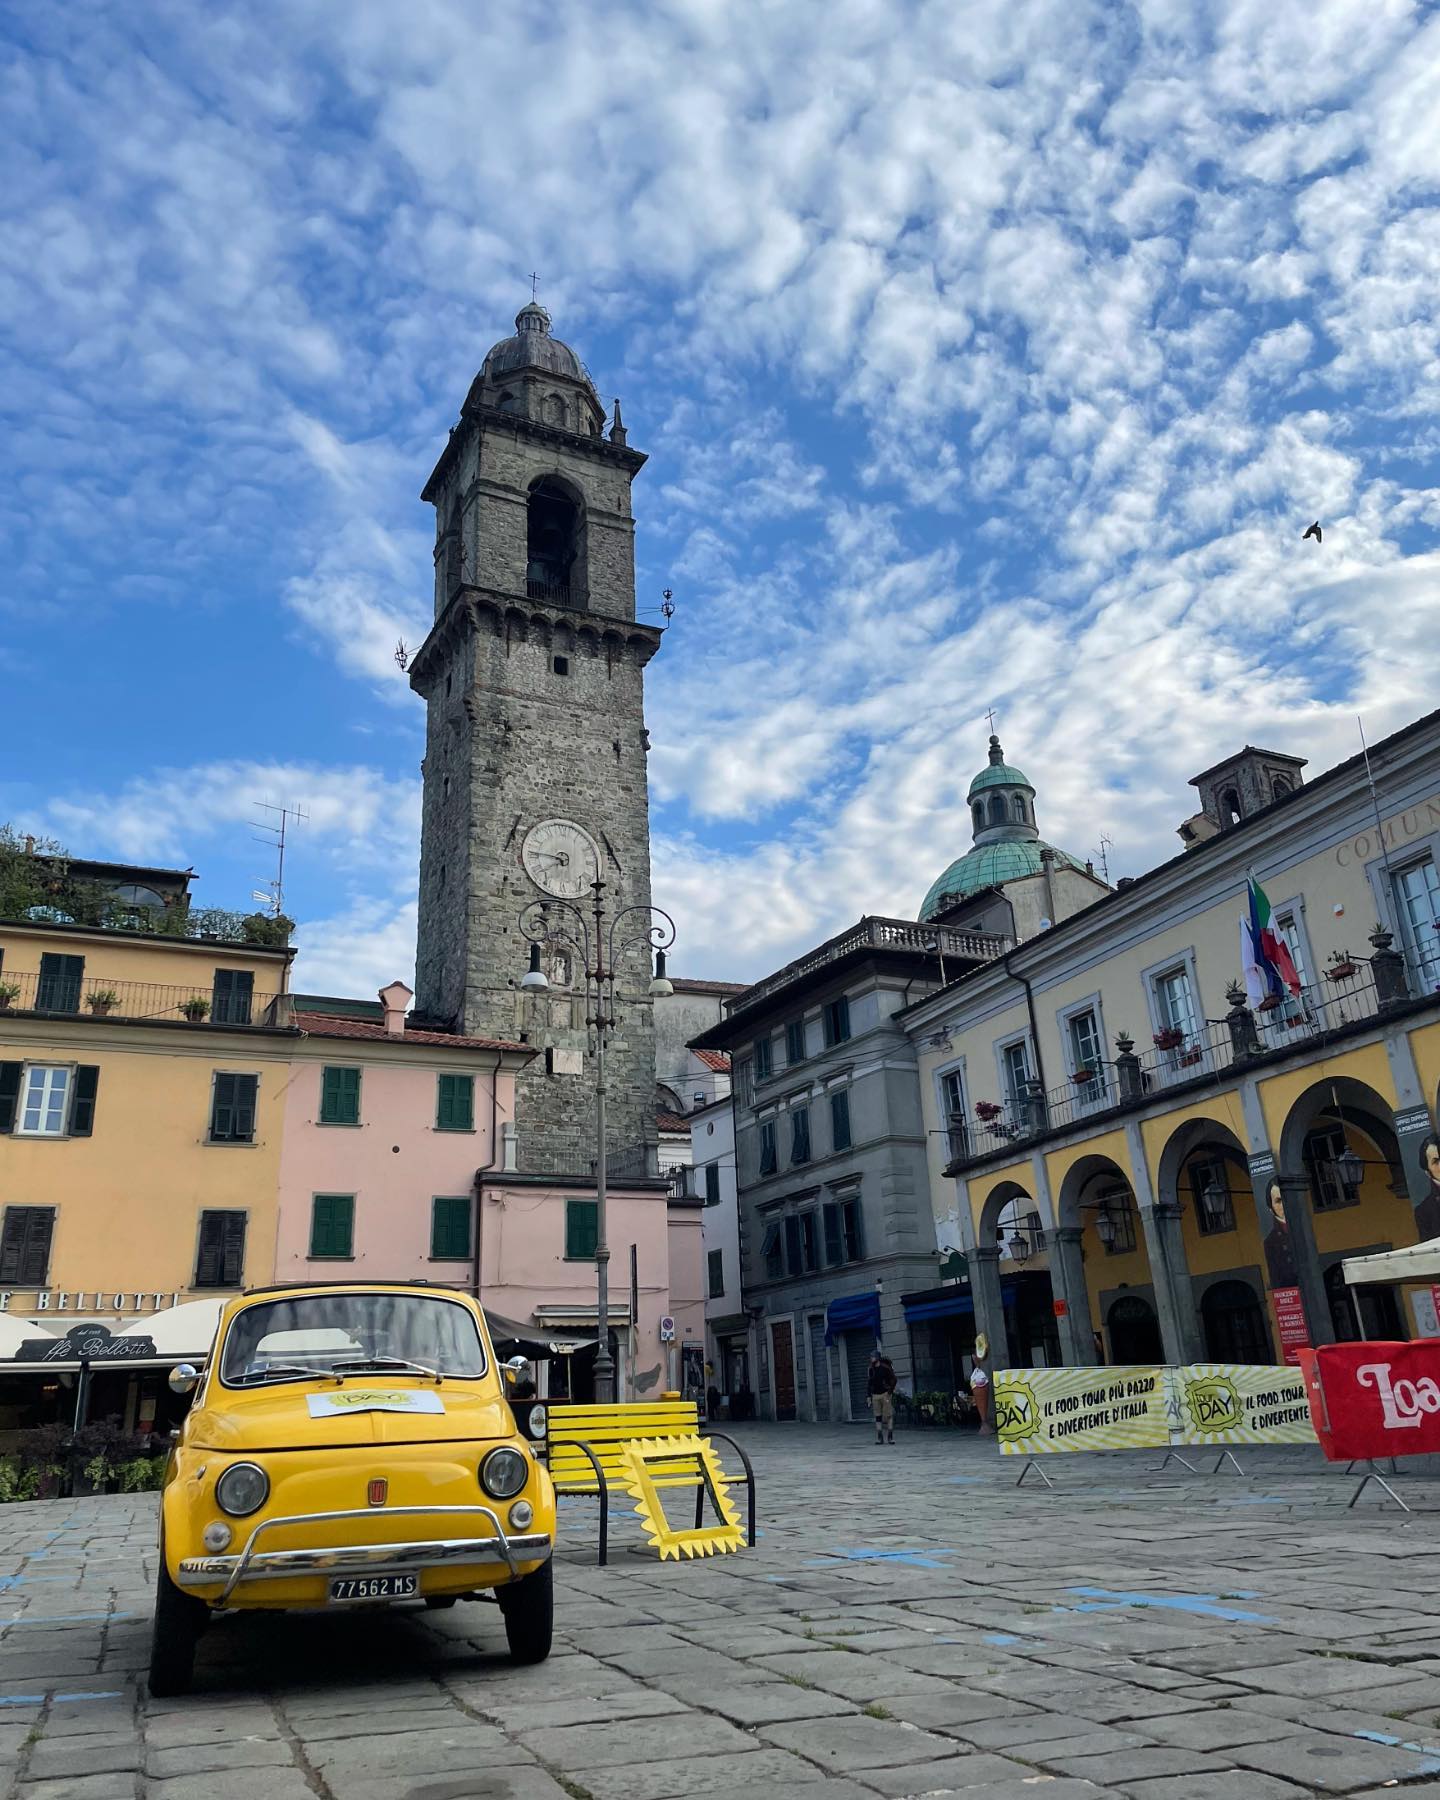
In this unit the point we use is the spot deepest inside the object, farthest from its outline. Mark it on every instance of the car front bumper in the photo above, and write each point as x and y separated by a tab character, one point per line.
338	1561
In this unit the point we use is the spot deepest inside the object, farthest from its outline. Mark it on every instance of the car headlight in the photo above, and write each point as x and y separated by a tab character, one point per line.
504	1472
242	1488
537	1421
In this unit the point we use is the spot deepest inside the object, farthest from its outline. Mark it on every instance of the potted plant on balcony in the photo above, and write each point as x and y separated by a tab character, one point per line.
9	994
100	1000
1083	1077
196	1008
987	1111
1169	1037
1191	1055
1342	965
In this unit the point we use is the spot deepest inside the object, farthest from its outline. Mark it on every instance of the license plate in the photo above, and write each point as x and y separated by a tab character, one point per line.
375	1587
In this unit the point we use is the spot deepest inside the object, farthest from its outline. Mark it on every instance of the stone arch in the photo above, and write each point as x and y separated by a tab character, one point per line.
556	569
554	410
1231	811
1017	1313
978	810
997	809
1017	809
1094	1186
1353	1106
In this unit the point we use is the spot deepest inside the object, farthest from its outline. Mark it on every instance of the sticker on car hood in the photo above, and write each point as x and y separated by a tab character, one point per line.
356	1400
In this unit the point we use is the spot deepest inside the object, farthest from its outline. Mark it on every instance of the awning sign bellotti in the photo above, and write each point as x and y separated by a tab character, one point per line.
85	1343
93	1300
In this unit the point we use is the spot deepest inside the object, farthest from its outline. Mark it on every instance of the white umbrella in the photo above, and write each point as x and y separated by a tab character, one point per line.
1416	1262
185	1332
13	1333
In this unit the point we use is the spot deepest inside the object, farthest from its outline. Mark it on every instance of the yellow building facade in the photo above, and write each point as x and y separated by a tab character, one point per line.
1138	1162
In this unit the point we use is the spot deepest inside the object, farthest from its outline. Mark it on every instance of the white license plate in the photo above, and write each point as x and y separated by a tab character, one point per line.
375	1587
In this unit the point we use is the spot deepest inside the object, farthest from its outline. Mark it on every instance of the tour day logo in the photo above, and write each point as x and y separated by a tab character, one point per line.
1214	1404
359	1398
1017	1415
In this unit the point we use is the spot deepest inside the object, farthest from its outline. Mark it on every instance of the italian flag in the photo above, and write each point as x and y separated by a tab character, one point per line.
1270	951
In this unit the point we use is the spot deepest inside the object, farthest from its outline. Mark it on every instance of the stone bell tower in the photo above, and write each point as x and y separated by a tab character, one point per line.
533	679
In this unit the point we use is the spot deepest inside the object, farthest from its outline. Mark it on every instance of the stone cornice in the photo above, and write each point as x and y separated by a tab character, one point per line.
472	609
474	416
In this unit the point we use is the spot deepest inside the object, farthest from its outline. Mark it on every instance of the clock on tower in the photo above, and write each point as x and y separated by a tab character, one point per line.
534	773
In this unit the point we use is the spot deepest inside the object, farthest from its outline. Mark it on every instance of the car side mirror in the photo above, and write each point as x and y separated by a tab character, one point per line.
183	1378
515	1368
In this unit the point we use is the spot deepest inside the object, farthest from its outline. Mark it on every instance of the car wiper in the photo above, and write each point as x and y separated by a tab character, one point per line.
281	1372
355	1364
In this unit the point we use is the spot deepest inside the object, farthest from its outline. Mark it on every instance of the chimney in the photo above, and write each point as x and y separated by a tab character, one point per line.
396	999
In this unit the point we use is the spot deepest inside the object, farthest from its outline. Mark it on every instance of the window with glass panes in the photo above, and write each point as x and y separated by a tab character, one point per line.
795	1041
1086	1051
339	1096
1121	1209
1321	1153
952	1102
581	1230
44	1101
455	1103
837	1021
332	1225
1175	1002
1417	901
450	1227
840	1121
1015	1063
1288	926
769	1160
800	1134
763	1056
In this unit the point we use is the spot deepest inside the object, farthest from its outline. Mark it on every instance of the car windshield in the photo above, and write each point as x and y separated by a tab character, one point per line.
324	1334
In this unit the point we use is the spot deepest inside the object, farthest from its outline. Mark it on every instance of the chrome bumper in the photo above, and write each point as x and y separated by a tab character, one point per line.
341	1560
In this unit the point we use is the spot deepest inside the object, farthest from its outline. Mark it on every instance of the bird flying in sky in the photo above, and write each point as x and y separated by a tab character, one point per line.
1315	532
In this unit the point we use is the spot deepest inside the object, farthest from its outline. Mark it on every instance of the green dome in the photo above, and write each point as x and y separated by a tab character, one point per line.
986	866
998	775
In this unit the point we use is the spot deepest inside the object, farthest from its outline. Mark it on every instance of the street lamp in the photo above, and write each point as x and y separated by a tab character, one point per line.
1105	1227
1020	1247
544	922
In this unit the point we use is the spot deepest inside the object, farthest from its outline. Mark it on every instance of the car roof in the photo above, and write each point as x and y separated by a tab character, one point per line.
300	1287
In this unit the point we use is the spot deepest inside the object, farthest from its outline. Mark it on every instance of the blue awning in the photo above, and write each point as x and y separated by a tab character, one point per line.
853	1312
958	1302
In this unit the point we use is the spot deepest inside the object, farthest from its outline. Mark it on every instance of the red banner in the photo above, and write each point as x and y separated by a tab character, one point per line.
1290	1317
1374	1399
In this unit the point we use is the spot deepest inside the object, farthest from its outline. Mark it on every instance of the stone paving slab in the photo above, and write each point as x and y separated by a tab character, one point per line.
908	1625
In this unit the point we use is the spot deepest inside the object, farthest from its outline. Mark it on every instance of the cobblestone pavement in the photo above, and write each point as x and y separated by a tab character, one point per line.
909	1624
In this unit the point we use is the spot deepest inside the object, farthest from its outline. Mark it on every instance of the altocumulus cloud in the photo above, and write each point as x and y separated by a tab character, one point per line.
985	357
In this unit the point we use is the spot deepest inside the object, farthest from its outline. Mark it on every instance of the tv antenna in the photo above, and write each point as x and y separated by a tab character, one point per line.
273	895
402	656
1106	843
667	605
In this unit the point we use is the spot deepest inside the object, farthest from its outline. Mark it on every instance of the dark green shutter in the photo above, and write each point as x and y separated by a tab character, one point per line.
332	1225
61	978
230	997
82	1100
455	1105
450	1228
10	1073
25	1245
834	1237
221	1259
581	1230
840	1121
232	1116
340	1097
800	1135
712	1184
716	1262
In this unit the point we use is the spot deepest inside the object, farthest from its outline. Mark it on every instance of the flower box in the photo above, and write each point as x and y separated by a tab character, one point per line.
1169	1039
1082	1076
1341	971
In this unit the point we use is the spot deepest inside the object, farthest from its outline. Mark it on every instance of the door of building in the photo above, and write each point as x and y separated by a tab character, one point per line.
819	1367
783	1357
1234	1324
859	1348
1134	1332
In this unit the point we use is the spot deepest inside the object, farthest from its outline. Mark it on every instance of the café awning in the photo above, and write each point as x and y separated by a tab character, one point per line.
14	1332
853	1312
1416	1262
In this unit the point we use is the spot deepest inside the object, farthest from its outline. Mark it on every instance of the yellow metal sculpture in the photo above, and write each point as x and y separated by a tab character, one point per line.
649	1463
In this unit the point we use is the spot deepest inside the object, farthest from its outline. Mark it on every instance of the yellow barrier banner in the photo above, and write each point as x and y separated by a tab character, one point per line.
1040	1410
1238	1403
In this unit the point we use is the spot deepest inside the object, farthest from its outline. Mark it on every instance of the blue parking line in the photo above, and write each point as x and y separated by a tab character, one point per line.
1201	1605
65	1618
56	1699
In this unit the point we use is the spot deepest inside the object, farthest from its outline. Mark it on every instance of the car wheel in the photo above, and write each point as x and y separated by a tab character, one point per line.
438	1602
179	1620
528	1608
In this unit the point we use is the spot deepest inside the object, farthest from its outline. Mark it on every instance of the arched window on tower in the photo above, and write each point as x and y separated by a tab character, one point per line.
555	411
1230	813
997	809
1017	809
1280	786
979	811
554	545
506	402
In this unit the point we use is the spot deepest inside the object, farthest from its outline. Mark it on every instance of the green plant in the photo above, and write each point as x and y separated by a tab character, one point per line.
142	1474
876	1711
101	997
196	1007
17	1482
9	990
272	929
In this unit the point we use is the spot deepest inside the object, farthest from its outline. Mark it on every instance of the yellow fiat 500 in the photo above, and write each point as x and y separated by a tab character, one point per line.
349	1445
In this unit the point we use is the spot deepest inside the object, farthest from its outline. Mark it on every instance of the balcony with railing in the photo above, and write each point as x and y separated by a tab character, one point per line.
553	593
952	950
1352	992
96	996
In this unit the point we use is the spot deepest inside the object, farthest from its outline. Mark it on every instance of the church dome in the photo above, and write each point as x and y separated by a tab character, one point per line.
532	347
1007	846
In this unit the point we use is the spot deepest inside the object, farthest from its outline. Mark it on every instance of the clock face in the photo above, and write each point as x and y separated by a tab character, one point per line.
560	858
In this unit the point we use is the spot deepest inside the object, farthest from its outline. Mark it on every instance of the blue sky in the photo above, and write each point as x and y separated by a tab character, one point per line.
985	356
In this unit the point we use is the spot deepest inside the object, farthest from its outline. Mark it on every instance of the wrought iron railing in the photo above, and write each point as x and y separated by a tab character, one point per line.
555	593
939	941
101	997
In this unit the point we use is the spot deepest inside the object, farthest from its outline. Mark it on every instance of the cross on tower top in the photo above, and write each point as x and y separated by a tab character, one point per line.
990	715
534	286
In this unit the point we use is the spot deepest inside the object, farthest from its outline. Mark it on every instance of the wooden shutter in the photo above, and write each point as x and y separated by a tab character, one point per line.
231	996
800	1135
25	1245
233	1249
340	1097
840	1121
455	1108
82	1100
61	978
232	1119
221	1261
581	1230
10	1073
332	1225
834	1236
450	1227
712	1184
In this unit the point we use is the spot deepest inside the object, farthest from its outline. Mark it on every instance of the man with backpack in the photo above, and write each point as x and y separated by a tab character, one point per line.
882	1397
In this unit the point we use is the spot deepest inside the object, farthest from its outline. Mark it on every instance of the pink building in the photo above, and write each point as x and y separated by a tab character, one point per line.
399	1161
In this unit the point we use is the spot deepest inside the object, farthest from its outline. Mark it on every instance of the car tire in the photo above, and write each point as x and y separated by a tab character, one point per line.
179	1620
528	1608
438	1602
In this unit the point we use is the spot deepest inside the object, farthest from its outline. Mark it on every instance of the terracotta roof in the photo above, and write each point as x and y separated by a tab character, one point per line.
714	1059
682	985
668	1121
324	1025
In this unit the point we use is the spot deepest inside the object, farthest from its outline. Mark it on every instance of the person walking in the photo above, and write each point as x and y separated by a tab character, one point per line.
882	1397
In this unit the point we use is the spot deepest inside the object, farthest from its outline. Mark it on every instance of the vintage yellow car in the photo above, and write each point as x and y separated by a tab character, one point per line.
350	1444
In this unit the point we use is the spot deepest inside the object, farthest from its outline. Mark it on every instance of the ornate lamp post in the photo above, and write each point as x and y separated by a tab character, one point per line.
596	943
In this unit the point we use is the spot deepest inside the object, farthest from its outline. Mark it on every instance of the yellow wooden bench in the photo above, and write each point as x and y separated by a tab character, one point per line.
585	1447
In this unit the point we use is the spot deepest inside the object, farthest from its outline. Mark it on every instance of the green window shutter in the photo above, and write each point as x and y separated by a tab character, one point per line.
340	1097
712	1184
332	1225
840	1121
9	1094
581	1230
455	1103
450	1227
82	1100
